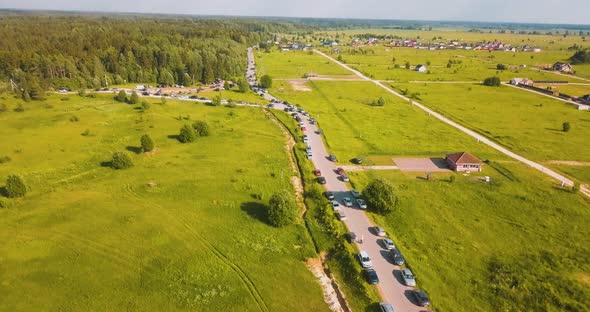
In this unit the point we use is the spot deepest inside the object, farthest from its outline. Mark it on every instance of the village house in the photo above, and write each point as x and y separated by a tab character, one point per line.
463	161
421	68
521	82
563	67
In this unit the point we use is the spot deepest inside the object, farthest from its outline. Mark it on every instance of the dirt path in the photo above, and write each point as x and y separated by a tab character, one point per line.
568	163
479	137
335	299
365	168
547	95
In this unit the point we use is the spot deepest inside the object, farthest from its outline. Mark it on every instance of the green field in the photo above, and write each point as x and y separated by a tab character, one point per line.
87	237
295	64
515	244
526	123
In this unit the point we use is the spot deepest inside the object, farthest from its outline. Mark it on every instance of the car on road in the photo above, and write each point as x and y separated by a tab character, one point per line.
340	171
305	139
357	161
361	203
379	231
321	180
421	298
347	201
301	124
397	257
319	131
329	195
332	157
371	276
344	178
335	205
364	259
309	155
408	278
355	193
271	105
385	307
350	237
340	215
387	243
317	172
308	149
303	129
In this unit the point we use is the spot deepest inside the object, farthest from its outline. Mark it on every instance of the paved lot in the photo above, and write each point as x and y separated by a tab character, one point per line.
421	164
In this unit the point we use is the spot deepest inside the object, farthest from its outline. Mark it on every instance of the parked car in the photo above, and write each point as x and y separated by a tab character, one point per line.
332	157
340	171
344	178
305	138
303	129
309	155
379	231
357	161
421	298
329	195
361	203
387	243
319	132
408	278
335	205
385	307
397	257
347	201
350	237
321	180
340	215
355	193
371	276
364	259
308	149
317	172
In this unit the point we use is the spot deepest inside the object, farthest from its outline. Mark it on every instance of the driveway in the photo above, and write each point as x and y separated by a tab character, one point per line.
390	287
421	164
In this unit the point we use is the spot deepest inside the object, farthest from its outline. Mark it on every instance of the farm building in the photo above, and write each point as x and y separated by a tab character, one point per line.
421	68
563	67
463	161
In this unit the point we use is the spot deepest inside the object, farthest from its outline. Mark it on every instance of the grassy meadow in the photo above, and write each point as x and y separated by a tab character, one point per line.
295	64
87	237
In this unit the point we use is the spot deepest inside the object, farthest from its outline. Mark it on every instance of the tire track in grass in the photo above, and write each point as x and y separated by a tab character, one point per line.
250	286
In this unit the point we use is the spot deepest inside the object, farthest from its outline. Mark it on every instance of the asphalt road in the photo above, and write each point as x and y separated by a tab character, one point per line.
390	286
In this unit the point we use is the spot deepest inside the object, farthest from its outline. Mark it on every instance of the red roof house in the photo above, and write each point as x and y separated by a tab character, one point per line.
463	161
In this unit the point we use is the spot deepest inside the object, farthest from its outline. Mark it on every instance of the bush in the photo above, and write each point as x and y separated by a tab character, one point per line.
121	160
145	105
380	196
121	96
379	102
5	159
566	126
501	67
147	144
19	108
134	99
242	85
15	187
492	82
407	65
282	209
216	100
74	118
452	179
266	81
201	128
187	134
575	188
580	57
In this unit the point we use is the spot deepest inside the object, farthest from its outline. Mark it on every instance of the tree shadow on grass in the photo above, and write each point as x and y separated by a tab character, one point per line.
133	149
106	164
256	210
553	129
3	192
174	137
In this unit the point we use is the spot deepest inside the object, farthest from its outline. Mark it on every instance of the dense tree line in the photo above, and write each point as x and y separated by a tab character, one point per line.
68	51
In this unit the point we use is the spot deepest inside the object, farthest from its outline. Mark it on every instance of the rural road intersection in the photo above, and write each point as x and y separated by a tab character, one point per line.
390	286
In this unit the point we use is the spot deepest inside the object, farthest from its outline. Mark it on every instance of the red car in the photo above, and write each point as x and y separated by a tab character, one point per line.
303	129
317	172
340	171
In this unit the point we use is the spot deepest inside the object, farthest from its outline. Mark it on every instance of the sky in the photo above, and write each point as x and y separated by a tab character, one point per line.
524	11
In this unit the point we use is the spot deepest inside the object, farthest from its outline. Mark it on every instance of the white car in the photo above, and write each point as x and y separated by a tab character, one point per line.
379	231
355	193
340	215
408	277
347	201
335	205
388	244
364	259
361	203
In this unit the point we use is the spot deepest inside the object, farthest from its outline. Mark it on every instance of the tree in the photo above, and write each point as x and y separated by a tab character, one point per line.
282	209
145	105
216	100
187	134
266	81
226	85
407	65
242	85
379	102
501	67
15	187
581	57
380	196
121	96
121	160
566	126
134	98
575	187
201	128
147	144
492	82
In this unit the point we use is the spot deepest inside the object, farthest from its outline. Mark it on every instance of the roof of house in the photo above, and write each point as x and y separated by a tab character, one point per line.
463	158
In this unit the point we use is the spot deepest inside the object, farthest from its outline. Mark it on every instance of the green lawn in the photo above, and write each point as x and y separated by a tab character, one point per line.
295	64
516	244
87	237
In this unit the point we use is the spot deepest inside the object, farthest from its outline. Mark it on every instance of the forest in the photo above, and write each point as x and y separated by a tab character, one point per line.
52	51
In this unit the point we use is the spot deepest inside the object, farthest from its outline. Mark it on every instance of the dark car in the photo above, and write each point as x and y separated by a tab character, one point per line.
321	180
397	257
371	276
340	171
357	161
350	237
421	298
332	157
385	307
329	195
319	131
